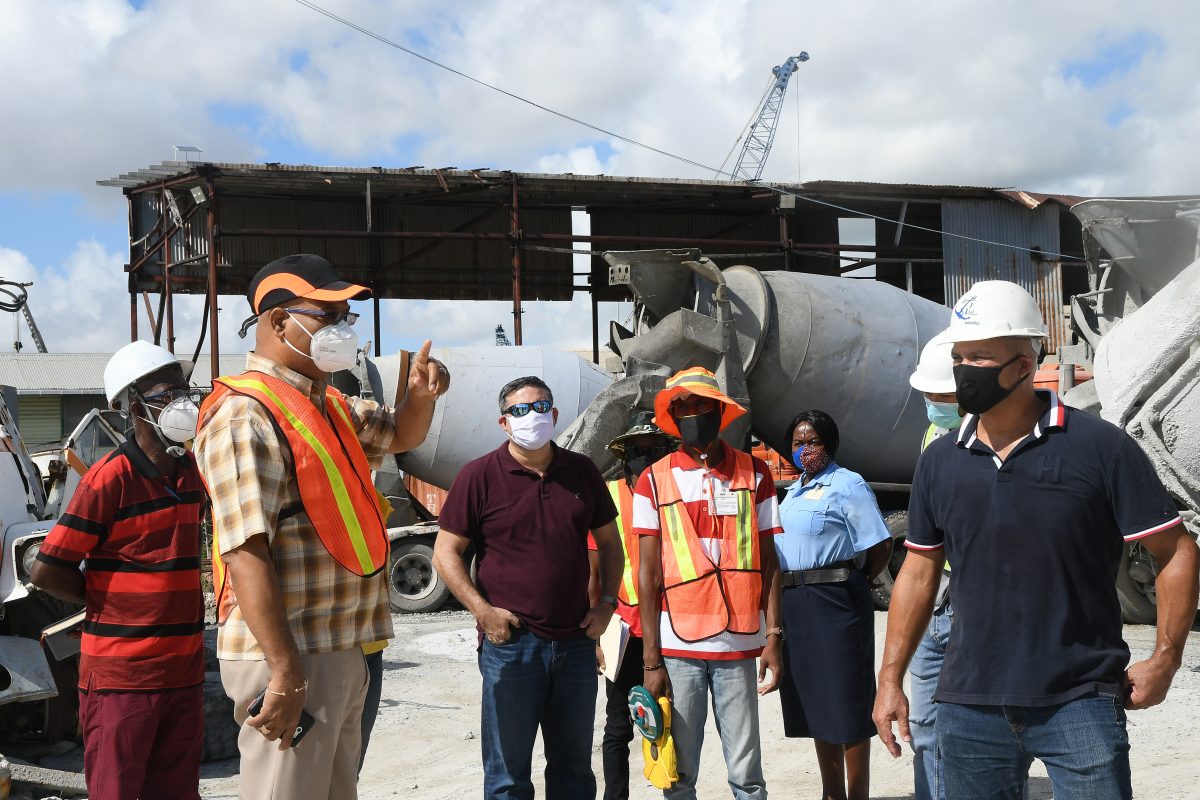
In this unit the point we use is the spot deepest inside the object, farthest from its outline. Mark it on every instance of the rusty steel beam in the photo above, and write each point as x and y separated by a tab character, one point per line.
211	230
166	289
553	237
166	183
515	228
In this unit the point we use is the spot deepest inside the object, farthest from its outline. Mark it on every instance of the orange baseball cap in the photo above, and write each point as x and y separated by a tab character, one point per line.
301	275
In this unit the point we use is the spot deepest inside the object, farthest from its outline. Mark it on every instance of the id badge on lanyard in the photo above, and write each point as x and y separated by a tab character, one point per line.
721	501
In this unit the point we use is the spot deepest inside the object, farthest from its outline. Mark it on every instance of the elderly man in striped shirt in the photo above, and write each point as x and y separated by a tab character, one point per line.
134	521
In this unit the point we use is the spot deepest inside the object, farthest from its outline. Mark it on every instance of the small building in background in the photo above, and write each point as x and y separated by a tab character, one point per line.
56	390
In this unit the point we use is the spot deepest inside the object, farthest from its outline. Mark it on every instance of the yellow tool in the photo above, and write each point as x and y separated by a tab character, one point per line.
653	721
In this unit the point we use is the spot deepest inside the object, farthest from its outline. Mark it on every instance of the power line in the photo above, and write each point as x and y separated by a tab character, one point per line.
493	87
682	159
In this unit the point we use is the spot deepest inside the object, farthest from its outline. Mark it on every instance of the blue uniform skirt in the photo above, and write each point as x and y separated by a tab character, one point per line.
828	686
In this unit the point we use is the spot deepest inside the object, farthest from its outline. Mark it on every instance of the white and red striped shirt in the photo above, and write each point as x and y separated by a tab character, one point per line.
696	487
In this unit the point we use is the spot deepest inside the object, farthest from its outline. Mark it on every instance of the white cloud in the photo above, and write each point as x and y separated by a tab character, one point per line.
80	308
941	92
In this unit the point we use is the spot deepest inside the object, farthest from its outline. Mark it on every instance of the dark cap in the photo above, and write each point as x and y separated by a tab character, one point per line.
642	425
301	275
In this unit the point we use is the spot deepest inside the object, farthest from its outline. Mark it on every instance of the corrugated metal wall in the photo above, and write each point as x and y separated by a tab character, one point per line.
41	419
990	224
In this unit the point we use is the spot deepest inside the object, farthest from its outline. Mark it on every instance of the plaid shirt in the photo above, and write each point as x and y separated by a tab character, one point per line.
248	469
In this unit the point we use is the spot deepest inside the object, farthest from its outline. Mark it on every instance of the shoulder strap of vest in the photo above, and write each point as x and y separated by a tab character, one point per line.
743	475
663	483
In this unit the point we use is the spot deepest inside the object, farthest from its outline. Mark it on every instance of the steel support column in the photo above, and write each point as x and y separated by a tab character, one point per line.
515	233
133	312
166	290
210	225
378	327
595	328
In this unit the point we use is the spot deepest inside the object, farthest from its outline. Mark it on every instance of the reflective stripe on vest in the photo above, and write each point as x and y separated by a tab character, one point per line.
931	433
704	598
623	499
332	473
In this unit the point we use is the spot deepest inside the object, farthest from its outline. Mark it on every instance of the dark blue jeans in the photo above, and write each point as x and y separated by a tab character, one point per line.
371	705
987	750
530	682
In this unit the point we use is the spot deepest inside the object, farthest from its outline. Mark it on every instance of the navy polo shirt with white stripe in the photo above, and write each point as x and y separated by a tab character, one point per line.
1035	542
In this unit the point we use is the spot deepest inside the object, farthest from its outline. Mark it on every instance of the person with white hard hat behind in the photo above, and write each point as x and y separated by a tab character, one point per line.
934	378
1033	505
134	521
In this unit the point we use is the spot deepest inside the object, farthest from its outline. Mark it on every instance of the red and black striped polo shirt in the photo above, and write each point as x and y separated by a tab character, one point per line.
138	534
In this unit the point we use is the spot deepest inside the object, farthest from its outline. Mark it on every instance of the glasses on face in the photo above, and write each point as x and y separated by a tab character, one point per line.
326	317
171	395
521	409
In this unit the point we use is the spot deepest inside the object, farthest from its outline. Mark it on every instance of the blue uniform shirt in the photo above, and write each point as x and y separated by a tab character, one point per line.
829	519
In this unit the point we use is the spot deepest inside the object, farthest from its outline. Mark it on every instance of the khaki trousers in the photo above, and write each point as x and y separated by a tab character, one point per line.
324	766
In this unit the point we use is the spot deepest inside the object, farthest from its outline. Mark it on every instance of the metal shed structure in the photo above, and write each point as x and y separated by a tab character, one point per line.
206	228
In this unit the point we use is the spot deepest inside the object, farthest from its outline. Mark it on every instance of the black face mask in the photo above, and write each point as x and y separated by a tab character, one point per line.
636	465
978	389
700	430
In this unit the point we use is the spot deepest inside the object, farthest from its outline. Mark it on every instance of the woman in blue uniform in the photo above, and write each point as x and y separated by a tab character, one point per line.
830	519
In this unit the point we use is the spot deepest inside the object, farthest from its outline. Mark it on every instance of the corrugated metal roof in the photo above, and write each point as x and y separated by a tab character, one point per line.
82	373
447	233
971	260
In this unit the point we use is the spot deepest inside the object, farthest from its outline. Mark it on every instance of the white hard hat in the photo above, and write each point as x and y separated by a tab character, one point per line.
935	369
992	309
134	361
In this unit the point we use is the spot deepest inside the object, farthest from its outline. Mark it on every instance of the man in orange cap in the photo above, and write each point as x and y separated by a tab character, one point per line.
299	541
708	581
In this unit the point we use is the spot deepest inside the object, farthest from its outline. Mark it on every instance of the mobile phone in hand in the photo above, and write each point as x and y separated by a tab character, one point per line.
302	727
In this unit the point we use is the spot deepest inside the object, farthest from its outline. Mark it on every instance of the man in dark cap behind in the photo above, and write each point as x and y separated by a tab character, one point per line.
299	543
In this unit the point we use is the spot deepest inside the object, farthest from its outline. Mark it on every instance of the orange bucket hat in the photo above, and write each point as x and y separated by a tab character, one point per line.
694	380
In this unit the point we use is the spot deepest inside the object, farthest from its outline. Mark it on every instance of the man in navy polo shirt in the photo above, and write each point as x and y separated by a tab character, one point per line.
528	507
1032	503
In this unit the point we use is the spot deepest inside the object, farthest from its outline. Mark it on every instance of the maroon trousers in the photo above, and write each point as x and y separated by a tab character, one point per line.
143	745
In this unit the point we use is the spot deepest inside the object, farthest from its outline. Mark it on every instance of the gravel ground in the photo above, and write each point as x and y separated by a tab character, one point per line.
426	742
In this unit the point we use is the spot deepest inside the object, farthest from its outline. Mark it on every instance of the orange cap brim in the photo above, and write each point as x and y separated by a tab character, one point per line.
730	411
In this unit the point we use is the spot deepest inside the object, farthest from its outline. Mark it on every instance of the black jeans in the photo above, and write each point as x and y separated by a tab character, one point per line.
618	729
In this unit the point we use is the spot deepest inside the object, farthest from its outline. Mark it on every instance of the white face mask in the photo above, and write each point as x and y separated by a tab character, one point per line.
178	419
532	431
333	347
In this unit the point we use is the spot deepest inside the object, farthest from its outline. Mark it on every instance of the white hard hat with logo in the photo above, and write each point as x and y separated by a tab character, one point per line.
935	369
993	309
134	361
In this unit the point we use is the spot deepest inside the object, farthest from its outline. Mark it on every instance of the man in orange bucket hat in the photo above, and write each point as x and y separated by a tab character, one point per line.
708	581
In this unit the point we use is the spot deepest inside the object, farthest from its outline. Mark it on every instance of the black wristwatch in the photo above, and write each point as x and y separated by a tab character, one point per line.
608	598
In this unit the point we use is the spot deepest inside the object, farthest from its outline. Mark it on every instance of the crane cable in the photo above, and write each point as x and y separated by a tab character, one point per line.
682	159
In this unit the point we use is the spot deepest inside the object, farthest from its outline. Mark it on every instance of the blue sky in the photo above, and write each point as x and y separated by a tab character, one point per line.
1025	94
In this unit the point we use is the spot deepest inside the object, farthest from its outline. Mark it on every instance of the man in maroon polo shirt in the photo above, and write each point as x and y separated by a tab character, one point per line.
527	507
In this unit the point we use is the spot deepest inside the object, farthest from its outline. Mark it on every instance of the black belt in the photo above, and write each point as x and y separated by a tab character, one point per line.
834	573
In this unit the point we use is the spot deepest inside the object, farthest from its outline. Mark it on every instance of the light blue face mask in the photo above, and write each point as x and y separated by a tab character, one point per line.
944	415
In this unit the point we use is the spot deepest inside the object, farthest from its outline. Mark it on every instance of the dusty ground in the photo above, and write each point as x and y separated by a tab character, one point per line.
426	743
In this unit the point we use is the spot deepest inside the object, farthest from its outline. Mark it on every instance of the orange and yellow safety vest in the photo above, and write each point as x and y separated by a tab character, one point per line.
623	499
332	475
704	598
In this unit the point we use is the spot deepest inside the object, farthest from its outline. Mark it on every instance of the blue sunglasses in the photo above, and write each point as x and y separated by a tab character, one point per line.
521	409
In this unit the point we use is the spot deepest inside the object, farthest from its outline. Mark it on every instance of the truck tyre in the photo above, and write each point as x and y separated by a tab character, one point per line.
897	524
1135	585
413	585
